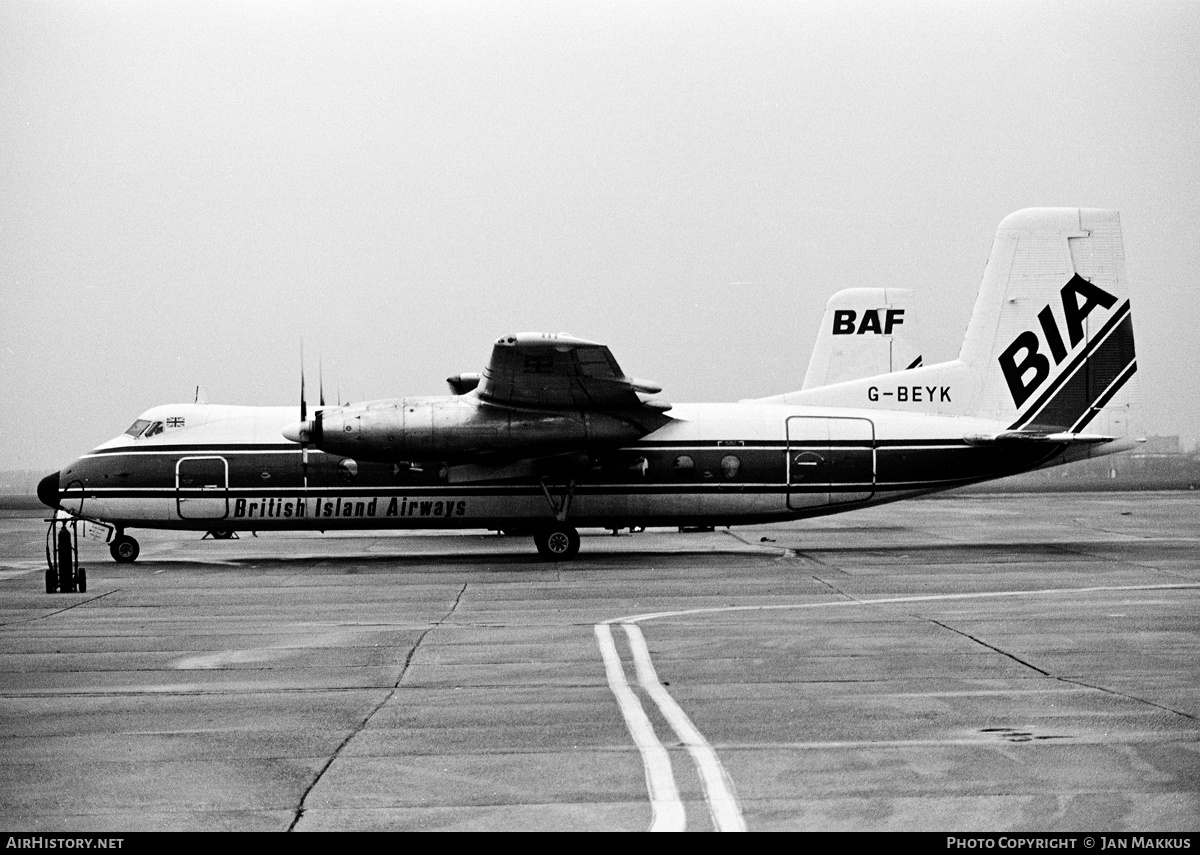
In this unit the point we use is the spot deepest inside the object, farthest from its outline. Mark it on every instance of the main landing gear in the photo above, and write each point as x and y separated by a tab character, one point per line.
557	540
124	549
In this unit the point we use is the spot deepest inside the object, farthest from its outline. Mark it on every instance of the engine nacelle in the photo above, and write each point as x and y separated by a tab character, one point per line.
457	429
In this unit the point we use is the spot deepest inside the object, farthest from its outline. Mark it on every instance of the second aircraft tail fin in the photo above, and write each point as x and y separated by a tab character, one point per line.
865	331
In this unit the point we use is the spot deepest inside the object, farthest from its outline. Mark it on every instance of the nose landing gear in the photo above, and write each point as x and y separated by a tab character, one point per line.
124	549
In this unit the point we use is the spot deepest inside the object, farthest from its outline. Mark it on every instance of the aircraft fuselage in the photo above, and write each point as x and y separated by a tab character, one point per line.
227	469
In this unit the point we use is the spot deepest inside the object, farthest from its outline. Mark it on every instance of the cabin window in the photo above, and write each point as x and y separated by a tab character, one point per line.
684	467
730	465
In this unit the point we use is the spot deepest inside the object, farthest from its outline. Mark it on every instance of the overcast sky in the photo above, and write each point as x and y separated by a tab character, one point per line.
187	189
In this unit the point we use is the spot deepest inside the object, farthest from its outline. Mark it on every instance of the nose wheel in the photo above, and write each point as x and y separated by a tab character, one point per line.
124	549
557	541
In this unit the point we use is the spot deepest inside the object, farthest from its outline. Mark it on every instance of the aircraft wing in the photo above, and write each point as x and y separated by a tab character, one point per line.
560	372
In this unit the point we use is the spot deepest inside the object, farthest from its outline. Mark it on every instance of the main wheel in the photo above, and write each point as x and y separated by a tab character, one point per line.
557	541
221	534
81	581
124	549
51	581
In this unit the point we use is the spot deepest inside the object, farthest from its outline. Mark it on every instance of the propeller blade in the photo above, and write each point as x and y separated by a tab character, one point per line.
303	405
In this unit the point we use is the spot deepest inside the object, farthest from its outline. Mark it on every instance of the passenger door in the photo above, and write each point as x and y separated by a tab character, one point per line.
201	485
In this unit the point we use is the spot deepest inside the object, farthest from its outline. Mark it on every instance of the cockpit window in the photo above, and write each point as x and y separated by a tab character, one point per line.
144	428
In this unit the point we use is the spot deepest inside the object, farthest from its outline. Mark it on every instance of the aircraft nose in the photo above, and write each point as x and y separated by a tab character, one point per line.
47	490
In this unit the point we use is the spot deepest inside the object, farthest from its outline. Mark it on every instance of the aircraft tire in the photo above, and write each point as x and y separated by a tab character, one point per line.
557	542
124	549
51	581
221	534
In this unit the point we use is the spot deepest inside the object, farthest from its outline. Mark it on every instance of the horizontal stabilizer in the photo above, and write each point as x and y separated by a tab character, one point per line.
1017	437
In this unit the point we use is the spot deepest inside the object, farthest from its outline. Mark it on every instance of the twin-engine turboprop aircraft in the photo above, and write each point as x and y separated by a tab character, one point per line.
553	435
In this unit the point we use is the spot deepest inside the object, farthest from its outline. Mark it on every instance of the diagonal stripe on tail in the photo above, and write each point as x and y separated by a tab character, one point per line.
1090	380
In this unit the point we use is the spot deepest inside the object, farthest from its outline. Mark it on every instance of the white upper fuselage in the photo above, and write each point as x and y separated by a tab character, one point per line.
228	467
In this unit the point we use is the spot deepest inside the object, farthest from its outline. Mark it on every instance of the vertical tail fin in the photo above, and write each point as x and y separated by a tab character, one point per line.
1052	333
865	332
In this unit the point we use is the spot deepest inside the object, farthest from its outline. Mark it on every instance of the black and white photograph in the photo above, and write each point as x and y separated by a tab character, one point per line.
614	415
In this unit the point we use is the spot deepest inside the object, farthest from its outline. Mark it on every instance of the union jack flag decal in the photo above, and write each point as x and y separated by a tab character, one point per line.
175	421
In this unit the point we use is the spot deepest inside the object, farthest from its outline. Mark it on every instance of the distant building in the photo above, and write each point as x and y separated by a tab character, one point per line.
1159	445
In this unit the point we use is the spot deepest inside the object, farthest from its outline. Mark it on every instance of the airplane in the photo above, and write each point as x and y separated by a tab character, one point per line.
553	436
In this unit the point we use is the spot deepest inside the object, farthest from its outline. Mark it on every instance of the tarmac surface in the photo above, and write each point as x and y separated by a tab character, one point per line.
970	663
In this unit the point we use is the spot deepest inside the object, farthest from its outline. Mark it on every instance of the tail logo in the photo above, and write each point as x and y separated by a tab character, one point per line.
1024	364
843	321
1085	375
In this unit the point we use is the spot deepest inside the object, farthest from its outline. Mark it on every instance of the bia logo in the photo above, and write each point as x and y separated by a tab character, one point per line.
843	321
1025	367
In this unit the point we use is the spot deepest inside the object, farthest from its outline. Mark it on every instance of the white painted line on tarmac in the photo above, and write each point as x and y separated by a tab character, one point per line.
914	599
718	787
666	808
